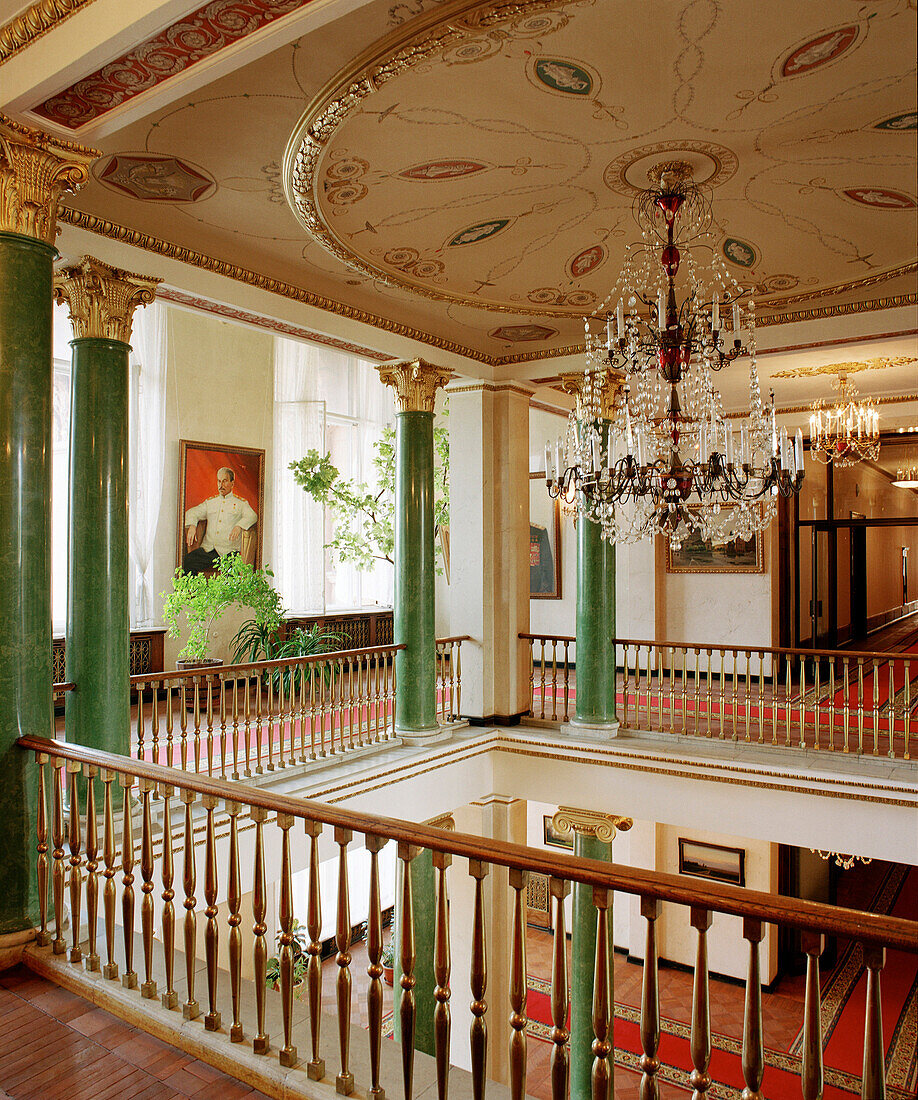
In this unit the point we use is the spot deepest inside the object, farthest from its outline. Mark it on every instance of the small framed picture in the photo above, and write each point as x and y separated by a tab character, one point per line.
712	861
544	541
555	839
695	555
220	505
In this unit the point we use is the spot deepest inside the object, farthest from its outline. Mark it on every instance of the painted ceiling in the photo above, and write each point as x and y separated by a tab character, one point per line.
467	171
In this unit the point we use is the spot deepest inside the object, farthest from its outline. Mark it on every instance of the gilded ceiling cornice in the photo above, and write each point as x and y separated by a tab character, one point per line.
36	169
35	21
104	228
102	298
840	288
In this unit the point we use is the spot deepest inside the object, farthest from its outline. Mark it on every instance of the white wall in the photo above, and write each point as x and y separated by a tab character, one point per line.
220	389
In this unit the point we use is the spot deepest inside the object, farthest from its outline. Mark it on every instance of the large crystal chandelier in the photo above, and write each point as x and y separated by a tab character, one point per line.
847	431
664	458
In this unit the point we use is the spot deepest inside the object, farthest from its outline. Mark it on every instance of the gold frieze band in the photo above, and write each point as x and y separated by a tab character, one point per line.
41	17
415	383
102	299
35	171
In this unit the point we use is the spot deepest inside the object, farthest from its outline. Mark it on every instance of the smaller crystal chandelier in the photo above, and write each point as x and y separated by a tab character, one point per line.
665	458
907	476
847	431
842	859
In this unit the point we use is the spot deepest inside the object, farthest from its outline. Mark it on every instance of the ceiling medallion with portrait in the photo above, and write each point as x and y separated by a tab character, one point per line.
489	154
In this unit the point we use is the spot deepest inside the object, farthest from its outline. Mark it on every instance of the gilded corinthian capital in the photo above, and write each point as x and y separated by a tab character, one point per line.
415	382
605	387
35	170
569	820
102	299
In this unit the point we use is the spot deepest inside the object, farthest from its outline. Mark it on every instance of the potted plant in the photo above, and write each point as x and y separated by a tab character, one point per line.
299	945
387	959
258	641
204	599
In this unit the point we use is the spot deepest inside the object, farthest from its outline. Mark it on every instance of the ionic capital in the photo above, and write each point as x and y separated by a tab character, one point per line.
570	820
102	299
595	392
415	382
35	170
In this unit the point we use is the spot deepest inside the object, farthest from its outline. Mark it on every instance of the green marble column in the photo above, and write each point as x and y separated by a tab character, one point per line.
595	697
25	558
102	300
583	964
415	384
98	628
35	169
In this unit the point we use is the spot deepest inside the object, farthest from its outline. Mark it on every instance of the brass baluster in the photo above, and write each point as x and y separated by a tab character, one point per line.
270	719
649	687
811	1076
441	861
873	1075
748	654
211	928
75	840
58	944
129	977
817	688
788	678
169	997
891	709
650	1003
560	995
831	707
906	721
700	1079
92	866
601	1078
148	987
209	689
375	845
775	685
761	696
260	1043
183	724
197	723
344	1082
458	709
876	705
542	679
234	901
285	915
722	695
696	692
190	1009
554	681
280	713
350	702
235	733
846	713
304	673
672	687
860	704
170	733
407	1010
154	722
42	866
247	725
259	727
141	723
753	1047
310	671
315	1068
518	990
707	692
110	970
683	691
803	703
478	981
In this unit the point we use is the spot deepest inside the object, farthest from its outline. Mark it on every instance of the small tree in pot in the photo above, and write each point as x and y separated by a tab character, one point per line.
204	599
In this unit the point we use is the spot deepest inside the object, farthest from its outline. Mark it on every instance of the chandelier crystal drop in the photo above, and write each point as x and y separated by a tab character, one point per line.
841	859
847	431
649	449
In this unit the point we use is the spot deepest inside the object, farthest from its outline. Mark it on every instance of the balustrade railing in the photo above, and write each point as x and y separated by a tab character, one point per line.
449	677
243	720
833	700
64	768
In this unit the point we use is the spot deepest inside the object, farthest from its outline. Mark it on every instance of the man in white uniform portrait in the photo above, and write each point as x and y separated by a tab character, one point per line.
227	517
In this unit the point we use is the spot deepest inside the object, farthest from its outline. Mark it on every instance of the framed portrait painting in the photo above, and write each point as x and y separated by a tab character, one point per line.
544	541
696	555
220	505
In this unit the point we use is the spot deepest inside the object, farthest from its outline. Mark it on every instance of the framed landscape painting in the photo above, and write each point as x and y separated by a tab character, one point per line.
220	505
712	861
544	541
696	555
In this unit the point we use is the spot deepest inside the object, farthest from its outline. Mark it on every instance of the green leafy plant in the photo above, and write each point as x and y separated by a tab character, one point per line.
364	531
204	599
299	945
387	958
257	641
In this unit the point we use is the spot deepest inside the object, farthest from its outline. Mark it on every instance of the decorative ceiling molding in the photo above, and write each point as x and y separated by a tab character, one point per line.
205	32
853	367
279	328
840	288
81	220
43	16
900	399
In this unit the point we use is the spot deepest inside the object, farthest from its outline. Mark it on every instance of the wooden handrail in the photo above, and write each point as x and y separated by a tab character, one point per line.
704	646
807	915
220	671
455	638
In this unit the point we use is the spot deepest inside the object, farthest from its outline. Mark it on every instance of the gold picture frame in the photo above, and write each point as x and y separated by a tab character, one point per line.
697	556
544	541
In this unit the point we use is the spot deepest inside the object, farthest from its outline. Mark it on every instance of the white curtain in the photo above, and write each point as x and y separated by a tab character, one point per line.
60	492
299	426
147	448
